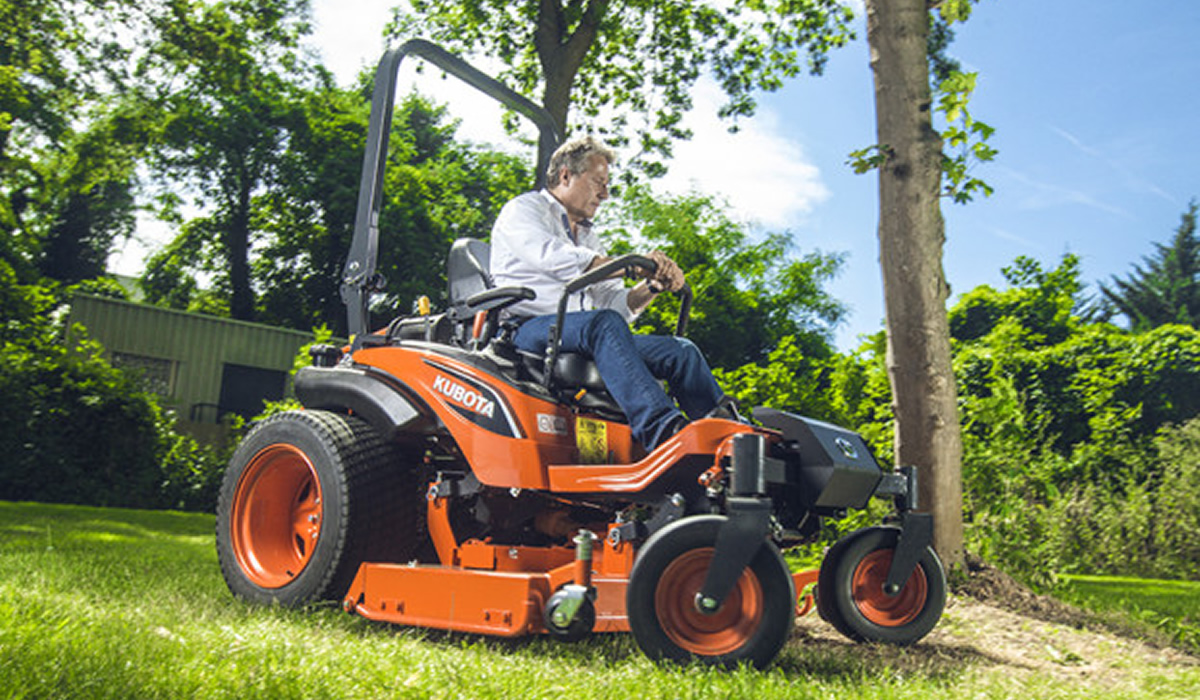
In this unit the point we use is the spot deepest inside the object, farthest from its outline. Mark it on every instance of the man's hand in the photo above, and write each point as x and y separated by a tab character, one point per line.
668	276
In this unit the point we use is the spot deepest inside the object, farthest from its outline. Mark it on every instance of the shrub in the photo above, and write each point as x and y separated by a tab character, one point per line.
74	429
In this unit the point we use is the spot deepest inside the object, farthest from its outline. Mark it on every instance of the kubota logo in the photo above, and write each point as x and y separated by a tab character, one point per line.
467	398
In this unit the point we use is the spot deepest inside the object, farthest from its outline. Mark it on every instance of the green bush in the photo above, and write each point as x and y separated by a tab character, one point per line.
1029	512
74	429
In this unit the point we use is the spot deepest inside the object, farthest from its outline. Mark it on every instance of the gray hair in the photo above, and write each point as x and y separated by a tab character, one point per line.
575	155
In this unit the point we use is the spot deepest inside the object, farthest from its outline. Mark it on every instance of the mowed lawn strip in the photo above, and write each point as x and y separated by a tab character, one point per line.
1172	607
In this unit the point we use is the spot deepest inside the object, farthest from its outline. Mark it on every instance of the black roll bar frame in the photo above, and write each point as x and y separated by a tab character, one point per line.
359	277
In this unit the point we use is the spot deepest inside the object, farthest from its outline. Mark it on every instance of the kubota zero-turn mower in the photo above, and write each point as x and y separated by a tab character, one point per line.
437	477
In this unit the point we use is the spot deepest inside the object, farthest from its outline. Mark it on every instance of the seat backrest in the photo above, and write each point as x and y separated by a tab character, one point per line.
468	272
467	269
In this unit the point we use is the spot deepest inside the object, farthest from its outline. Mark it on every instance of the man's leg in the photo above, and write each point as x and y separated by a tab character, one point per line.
606	338
682	365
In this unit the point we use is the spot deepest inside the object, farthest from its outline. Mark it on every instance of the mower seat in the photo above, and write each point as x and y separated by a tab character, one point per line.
475	300
468	271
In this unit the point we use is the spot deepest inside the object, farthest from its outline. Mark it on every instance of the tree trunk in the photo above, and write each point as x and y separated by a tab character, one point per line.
241	301
911	235
561	51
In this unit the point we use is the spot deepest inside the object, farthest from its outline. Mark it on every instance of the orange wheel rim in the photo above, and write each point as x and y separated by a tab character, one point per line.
879	607
706	635
276	517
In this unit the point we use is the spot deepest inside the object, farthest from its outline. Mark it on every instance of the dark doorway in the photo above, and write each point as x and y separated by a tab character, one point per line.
243	389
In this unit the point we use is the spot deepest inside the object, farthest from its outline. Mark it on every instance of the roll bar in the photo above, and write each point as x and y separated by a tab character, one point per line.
359	278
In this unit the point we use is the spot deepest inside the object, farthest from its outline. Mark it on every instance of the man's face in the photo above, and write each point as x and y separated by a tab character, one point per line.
582	194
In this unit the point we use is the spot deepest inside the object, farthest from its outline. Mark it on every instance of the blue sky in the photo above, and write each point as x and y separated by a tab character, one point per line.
1094	104
1095	107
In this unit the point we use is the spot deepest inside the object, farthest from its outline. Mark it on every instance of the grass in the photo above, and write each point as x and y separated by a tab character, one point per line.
103	603
1170	607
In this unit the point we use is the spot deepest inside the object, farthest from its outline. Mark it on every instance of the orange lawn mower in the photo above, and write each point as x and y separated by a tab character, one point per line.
438	477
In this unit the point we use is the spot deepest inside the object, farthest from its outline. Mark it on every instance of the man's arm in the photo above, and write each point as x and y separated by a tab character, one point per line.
667	277
640	296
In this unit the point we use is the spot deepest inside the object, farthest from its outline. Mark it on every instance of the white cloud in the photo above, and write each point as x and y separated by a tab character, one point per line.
763	175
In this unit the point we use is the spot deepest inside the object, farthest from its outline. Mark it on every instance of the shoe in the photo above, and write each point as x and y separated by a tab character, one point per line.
669	430
726	409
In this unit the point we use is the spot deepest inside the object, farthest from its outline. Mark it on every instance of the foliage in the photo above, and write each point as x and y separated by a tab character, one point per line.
73	429
89	192
630	66
1042	304
750	292
437	189
1167	289
65	176
1098	384
965	139
1116	508
223	77
1069	465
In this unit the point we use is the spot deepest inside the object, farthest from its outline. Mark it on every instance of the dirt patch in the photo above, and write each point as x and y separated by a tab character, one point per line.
974	635
992	586
996	626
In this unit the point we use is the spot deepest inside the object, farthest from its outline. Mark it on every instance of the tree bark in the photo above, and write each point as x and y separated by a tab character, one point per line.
241	301
911	237
561	52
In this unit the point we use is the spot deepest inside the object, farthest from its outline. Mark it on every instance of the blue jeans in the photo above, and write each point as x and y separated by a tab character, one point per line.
631	367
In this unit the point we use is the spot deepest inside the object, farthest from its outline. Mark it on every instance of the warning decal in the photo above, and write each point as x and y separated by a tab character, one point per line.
591	436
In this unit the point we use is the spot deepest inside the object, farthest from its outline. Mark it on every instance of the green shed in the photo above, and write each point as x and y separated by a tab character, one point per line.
202	367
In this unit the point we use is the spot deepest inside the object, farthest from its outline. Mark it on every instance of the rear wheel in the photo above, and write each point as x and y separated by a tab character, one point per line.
307	497
752	623
851	590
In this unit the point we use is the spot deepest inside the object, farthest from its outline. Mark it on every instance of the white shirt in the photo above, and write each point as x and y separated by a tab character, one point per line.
532	246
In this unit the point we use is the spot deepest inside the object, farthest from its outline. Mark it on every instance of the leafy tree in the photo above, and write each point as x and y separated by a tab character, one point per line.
1060	415
1043	305
1167	289
224	76
89	197
1074	381
63	195
170	276
438	189
630	65
750	295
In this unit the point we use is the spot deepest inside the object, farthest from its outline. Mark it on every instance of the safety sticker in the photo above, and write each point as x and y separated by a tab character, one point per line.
591	436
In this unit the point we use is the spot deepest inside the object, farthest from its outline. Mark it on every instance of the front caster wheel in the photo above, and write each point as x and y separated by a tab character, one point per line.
852	597
580	622
751	625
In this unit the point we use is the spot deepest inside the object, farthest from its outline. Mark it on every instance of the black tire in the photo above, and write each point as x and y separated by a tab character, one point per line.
752	624
825	607
578	629
307	497
850	590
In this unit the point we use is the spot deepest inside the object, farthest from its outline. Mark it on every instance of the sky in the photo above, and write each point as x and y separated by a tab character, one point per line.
1094	105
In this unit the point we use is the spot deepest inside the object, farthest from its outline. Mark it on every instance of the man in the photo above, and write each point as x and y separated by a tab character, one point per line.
544	239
